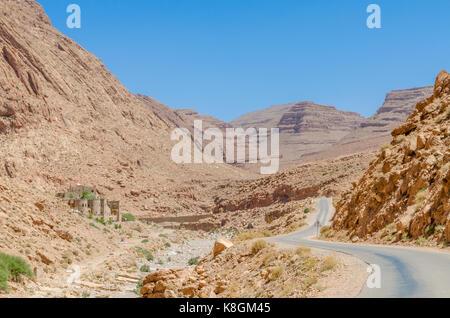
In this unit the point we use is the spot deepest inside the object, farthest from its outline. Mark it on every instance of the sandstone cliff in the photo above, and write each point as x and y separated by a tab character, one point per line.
305	127
408	183
376	130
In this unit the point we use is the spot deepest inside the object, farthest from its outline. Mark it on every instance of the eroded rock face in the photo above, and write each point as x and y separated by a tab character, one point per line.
305	127
376	130
408	183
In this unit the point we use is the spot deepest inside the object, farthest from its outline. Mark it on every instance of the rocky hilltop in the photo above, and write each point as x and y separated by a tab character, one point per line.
184	118
305	127
376	130
405	192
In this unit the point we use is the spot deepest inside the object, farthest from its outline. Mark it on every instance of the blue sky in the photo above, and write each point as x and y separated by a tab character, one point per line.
228	57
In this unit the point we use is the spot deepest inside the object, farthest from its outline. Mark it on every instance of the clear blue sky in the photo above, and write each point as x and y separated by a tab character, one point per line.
228	57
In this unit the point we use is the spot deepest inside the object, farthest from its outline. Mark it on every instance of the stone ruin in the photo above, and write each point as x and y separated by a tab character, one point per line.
95	206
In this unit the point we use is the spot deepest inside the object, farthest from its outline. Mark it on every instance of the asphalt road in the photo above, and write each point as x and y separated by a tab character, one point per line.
405	272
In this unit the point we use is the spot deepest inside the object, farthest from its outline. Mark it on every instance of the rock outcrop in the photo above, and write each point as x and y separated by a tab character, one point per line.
220	245
408	183
376	130
305	127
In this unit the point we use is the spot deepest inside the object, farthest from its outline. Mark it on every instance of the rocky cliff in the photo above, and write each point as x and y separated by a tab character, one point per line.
376	130
408	183
305	127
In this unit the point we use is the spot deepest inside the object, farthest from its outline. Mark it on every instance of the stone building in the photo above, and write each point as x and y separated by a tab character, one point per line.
97	207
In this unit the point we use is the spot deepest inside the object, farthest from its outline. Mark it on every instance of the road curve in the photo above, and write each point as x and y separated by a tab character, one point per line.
405	272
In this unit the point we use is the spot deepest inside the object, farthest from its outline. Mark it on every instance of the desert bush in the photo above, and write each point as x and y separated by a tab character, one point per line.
308	265
249	235
268	258
139	285
329	263
310	280
325	231
144	241
145	268
303	251
87	195
420	198
276	273
101	220
258	246
193	261
307	210
128	217
148	256
12	268
94	226
421	240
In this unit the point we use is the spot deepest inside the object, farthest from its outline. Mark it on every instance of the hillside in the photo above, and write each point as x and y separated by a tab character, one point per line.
305	127
65	119
405	192
376	130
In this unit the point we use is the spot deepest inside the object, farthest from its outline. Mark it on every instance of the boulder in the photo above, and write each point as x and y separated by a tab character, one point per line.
221	245
189	291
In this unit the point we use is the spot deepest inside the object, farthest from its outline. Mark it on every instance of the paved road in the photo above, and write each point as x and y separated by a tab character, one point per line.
405	272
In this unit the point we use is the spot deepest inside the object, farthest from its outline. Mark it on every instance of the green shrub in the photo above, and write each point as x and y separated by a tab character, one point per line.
4	276
139	285
101	220
421	240
12	268
193	261
93	225
145	268
163	235
307	210
87	195
145	252
144	241
167	244
128	217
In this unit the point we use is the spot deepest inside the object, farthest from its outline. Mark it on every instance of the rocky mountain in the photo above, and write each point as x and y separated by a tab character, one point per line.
183	118
405	192
305	127
66	120
375	131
